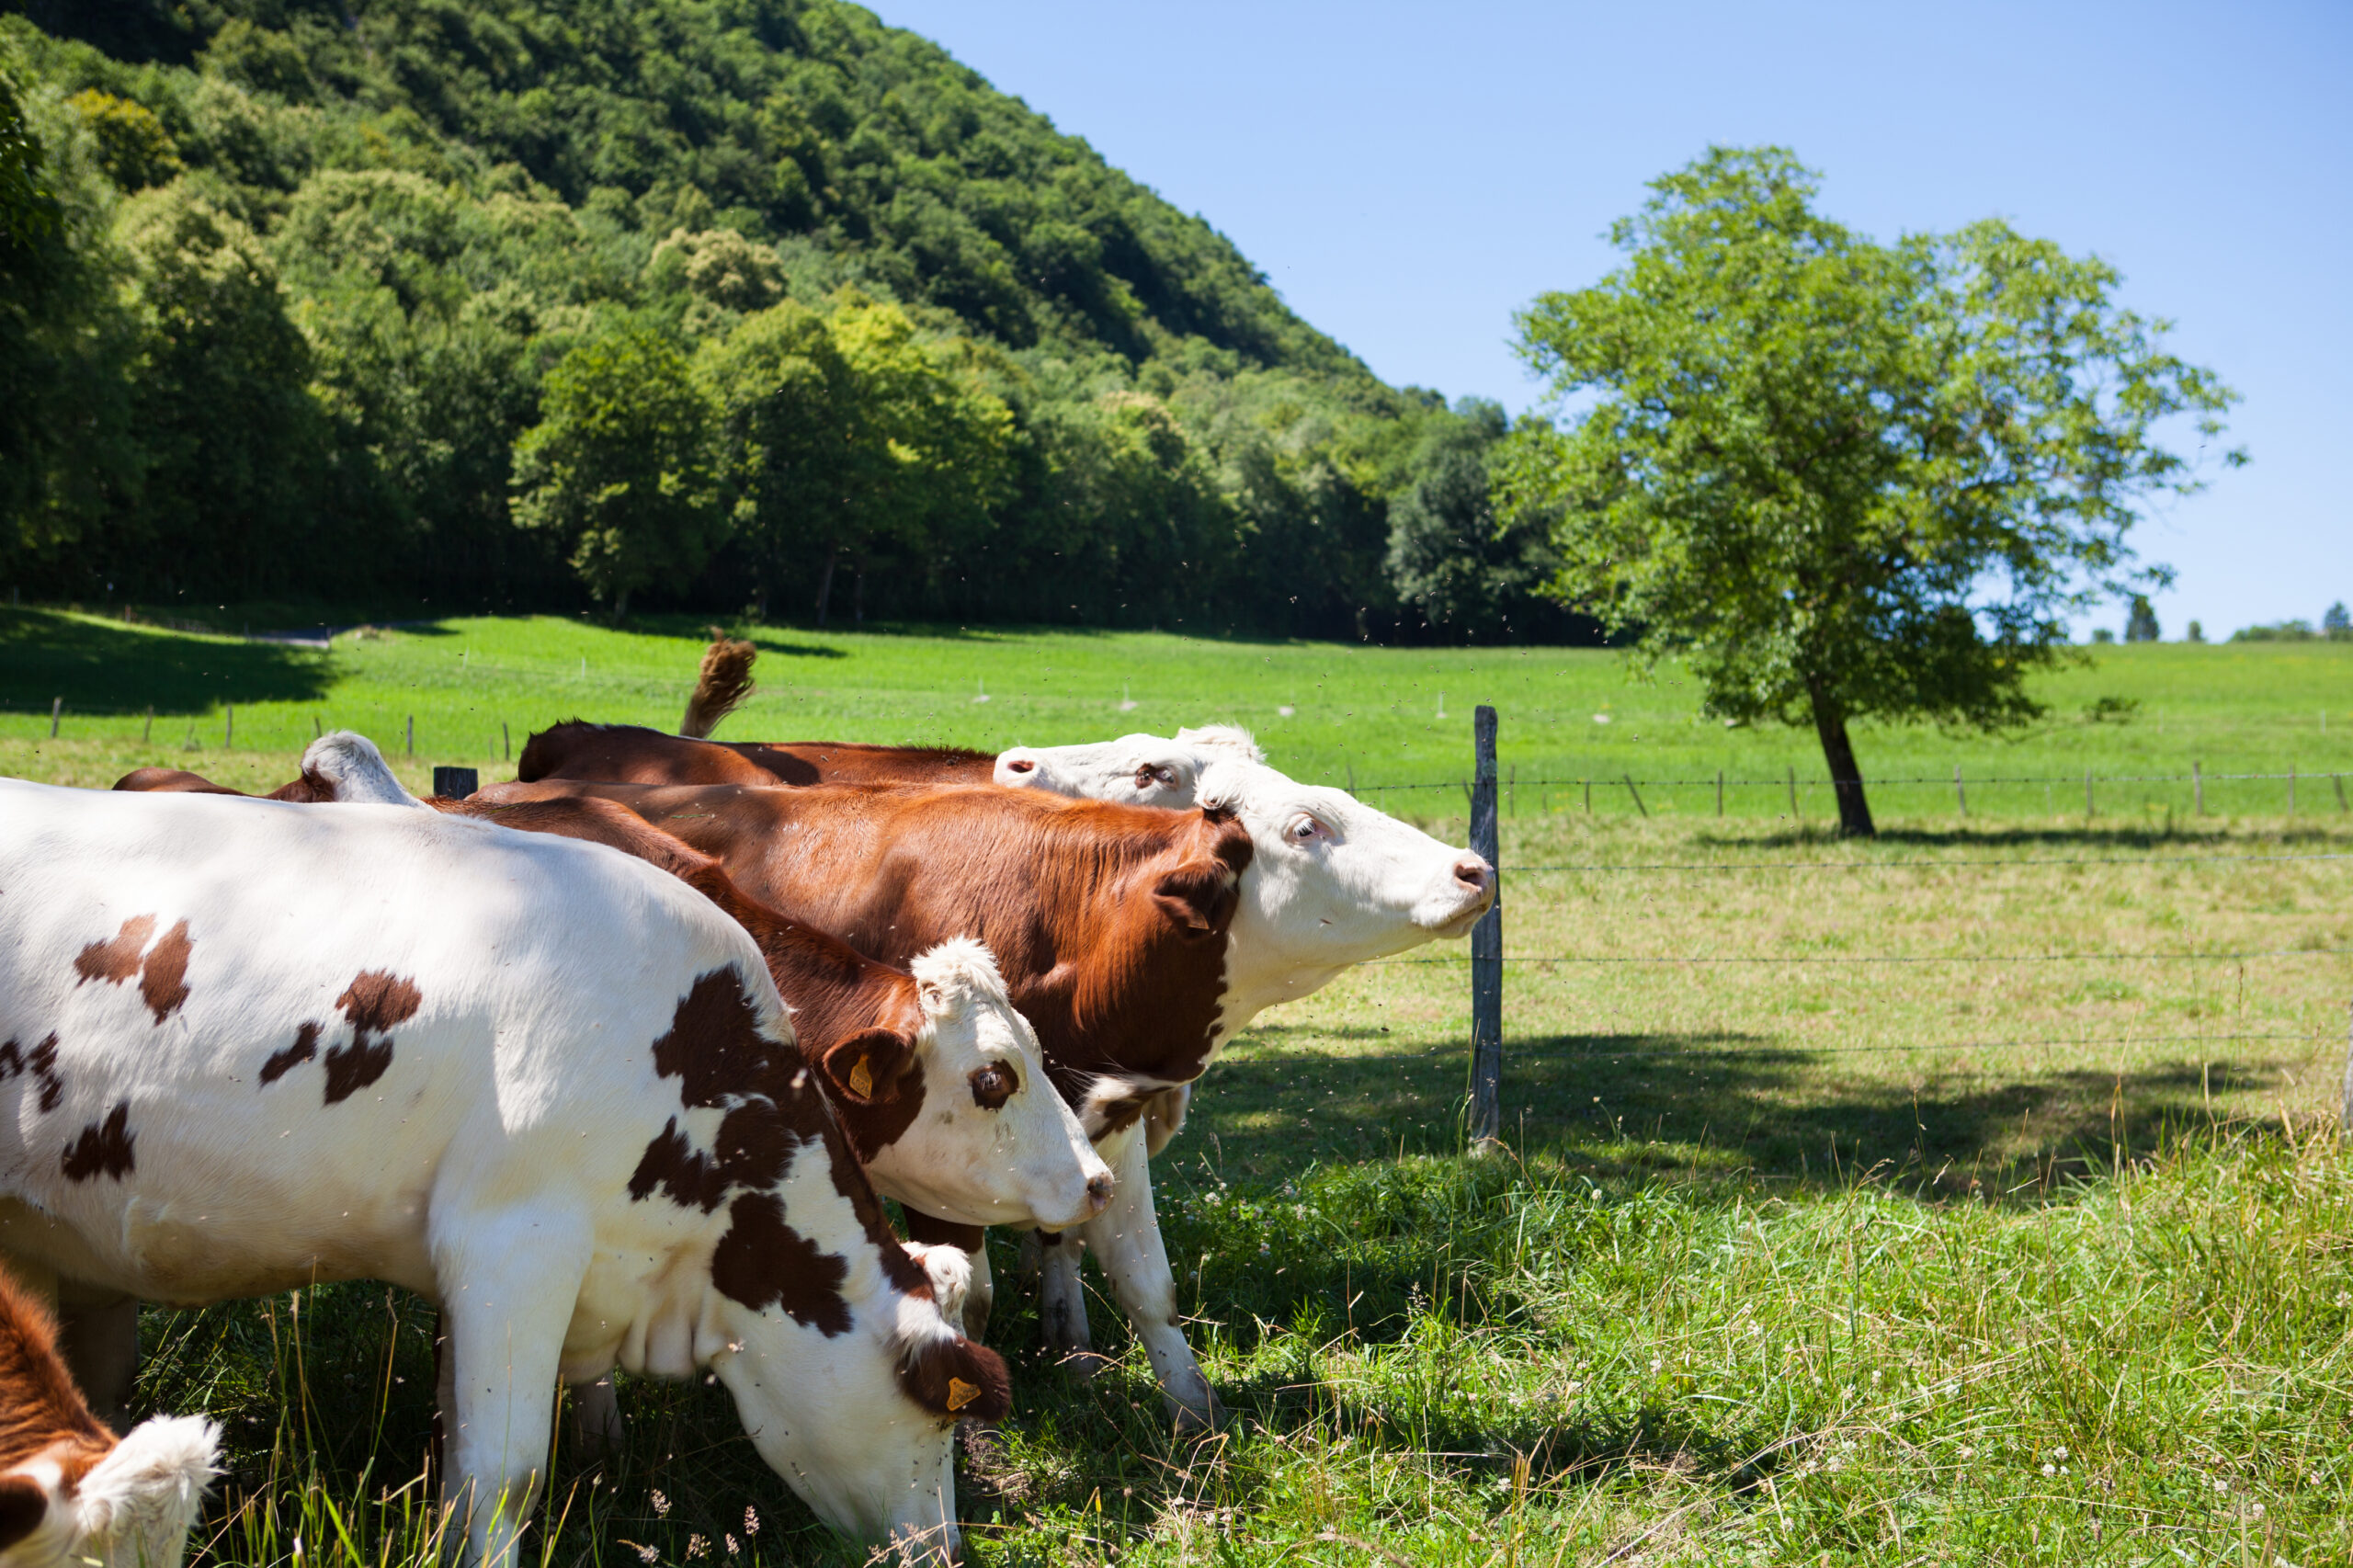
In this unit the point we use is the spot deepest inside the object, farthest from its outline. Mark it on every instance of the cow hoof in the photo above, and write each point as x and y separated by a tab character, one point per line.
1196	1421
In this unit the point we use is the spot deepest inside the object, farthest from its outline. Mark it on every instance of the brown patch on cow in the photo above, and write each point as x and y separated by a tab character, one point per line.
714	1047
163	979
934	1231
42	1062
104	1148
374	1002
763	1262
117	959
163	976
956	1378
280	1062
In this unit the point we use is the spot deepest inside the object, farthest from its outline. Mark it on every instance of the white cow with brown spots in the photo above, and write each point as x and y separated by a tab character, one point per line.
246	1045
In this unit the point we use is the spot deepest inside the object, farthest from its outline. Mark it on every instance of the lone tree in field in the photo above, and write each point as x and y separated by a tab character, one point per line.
1846	480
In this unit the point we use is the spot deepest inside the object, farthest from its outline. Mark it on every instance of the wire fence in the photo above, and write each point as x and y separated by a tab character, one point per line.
1492	789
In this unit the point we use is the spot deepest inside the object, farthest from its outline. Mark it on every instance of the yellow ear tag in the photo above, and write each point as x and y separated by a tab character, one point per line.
959	1394
861	1084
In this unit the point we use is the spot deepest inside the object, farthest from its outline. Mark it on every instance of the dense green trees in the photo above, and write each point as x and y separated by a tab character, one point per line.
1846	479
355	301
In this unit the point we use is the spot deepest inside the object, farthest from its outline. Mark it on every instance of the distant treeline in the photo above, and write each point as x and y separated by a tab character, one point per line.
764	305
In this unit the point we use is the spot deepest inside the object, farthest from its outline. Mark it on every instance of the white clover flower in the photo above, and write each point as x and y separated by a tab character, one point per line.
1967	1453
2060	1452
1656	1364
2050	1469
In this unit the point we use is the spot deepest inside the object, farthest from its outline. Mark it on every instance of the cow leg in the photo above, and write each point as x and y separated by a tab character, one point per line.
980	1297
593	1419
99	1340
1126	1239
1061	1303
509	1286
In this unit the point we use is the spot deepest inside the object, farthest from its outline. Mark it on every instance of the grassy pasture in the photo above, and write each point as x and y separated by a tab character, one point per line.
1369	715
2032	1248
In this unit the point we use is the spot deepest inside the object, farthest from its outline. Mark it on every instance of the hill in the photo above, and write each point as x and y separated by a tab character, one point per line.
313	265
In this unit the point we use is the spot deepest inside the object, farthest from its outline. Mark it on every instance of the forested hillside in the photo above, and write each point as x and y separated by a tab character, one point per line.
756	303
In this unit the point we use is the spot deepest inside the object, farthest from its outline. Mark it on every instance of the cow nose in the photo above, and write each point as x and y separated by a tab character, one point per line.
1099	1193
1473	874
1021	765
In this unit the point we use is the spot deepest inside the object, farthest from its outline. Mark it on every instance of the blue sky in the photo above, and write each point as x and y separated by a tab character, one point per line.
1409	175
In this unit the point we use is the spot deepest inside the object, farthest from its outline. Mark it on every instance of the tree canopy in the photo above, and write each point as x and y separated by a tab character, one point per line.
1844	479
1042	394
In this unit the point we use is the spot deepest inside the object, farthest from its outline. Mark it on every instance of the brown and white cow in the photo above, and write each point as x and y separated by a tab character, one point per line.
937	1079
1135	940
250	1045
69	1490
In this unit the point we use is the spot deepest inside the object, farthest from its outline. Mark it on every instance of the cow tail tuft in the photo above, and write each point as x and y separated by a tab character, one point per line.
723	685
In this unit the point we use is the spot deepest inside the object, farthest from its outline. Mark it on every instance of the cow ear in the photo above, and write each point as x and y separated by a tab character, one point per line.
866	1068
1199	896
23	1505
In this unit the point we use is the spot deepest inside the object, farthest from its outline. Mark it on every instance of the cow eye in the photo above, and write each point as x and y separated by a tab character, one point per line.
993	1086
1307	830
1147	776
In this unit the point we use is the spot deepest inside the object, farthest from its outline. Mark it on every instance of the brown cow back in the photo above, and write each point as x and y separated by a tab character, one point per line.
630	754
1109	922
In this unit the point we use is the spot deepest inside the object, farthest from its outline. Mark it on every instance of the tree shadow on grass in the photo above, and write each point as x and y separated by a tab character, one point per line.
1697	1104
2185	837
102	668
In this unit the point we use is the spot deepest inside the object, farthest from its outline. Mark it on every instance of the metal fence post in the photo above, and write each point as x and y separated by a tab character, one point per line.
1486	946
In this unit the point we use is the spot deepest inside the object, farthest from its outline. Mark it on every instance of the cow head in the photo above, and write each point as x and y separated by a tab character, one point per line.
346	768
954	1116
131	1509
1134	770
1332	882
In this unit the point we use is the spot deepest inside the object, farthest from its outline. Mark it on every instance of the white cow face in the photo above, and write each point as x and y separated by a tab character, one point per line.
831	1418
990	1142
1332	882
1134	770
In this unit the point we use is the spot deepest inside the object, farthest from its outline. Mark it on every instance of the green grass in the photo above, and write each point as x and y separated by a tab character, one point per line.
1364	714
1804	1260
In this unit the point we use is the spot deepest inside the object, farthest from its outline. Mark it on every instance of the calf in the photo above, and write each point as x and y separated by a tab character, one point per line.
253	1045
1135	940
69	1490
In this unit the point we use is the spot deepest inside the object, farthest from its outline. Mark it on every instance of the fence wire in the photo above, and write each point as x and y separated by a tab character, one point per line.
1932	1048
1919	862
1918	958
1943	781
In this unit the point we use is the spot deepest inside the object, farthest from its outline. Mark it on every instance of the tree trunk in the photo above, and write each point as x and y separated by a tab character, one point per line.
1846	777
621	605
825	586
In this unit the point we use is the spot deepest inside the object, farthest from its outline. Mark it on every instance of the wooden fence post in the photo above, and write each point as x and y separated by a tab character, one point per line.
228	734
1720	791
1486	947
148	728
2198	785
56	708
1793	794
506	743
1637	794
1959	795
2345	1127
411	734
455	783
2291	789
